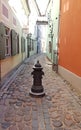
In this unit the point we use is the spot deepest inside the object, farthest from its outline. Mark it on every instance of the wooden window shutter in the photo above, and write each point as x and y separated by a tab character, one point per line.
18	44
22	44
2	41
13	42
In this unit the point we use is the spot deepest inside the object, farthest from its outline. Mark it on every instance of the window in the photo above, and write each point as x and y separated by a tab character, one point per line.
50	47
22	44
48	35
32	44
11	44
7	41
17	43
4	41
14	43
4	11
14	21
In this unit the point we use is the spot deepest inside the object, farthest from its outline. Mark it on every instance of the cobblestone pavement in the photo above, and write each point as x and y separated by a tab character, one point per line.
59	109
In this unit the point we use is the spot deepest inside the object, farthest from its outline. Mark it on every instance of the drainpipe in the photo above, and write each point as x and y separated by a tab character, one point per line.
58	33
55	65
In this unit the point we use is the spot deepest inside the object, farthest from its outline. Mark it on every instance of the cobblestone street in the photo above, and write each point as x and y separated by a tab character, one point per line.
59	109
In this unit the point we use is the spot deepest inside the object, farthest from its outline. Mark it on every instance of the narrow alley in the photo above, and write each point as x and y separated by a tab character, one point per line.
59	109
40	66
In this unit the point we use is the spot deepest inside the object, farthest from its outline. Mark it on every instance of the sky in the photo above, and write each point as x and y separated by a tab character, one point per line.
42	5
20	13
34	15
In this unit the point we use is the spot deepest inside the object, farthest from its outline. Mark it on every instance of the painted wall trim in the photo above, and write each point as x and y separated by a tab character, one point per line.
71	77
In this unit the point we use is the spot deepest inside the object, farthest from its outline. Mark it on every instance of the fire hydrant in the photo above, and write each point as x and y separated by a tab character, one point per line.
37	87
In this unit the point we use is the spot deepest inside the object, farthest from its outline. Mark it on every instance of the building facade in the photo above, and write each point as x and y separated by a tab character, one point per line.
12	39
69	65
53	12
53	26
64	40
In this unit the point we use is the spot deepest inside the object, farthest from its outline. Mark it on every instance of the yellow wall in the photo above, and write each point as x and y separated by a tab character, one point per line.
9	63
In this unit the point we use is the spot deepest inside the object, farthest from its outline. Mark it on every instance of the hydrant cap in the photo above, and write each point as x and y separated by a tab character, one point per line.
37	64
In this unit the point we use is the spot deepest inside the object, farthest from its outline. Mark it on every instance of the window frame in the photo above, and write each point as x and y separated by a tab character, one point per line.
7	42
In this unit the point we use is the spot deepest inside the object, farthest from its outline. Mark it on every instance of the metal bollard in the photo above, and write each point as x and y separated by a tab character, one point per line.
37	87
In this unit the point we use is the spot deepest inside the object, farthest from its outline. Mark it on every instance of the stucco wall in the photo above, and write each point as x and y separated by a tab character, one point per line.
70	43
55	8
10	62
70	36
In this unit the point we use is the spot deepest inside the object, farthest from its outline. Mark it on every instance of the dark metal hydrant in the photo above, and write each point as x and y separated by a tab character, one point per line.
37	88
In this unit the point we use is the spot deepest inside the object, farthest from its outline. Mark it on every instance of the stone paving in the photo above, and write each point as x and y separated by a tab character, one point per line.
59	109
